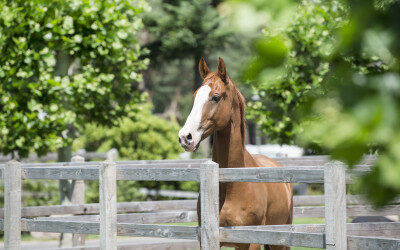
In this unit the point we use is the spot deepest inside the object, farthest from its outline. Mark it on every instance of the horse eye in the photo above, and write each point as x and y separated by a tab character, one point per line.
215	98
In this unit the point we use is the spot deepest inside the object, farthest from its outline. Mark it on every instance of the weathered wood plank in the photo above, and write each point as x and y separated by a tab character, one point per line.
310	200
370	229
61	173
190	205
209	205
108	204
12	205
78	197
94	208
36	225
295	235
127	229
272	174
372	243
335	206
271	237
187	205
162	231
313	235
91	172
141	218
352	211
123	173
158	174
373	229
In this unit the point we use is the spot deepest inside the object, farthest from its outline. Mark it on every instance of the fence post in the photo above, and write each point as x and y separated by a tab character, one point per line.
78	197
209	205
12	205
335	206
108	202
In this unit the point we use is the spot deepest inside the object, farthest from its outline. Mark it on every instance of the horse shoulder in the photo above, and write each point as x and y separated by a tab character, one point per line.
263	161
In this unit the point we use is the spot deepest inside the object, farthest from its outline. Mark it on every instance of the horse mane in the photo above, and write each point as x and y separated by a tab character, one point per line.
242	107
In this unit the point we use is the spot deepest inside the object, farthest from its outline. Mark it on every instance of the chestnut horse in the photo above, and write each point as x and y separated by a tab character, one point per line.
219	109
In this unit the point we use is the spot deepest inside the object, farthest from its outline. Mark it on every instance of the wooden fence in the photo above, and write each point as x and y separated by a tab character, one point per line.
334	234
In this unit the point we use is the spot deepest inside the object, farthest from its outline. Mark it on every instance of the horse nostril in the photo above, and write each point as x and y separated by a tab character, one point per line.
189	136
179	139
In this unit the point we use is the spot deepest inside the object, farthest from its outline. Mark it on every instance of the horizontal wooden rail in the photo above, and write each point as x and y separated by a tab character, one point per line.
122	207
304	207
284	174
360	235
295	235
372	243
123	229
141	218
272	237
311	200
273	174
185	207
374	229
123	173
355	229
352	211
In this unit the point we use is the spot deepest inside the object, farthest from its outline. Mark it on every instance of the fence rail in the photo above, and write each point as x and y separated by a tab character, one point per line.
306	206
332	235
158	172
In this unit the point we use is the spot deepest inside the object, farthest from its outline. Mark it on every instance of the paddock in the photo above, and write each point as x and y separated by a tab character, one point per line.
109	218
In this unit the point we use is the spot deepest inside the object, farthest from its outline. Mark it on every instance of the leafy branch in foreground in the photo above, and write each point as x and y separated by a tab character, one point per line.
63	64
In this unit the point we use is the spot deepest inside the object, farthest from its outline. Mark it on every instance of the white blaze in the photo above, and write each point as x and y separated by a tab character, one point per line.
193	121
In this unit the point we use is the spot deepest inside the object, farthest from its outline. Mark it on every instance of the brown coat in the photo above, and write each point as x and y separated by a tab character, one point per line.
241	204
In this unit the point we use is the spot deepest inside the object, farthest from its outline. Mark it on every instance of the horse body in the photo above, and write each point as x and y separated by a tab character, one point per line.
221	112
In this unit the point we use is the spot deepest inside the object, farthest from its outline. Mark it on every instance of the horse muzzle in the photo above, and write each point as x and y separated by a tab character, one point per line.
190	142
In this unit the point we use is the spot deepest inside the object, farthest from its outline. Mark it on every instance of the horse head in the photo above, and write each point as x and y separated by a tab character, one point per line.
214	103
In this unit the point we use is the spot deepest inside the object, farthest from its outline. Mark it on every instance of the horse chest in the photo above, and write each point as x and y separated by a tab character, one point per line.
241	206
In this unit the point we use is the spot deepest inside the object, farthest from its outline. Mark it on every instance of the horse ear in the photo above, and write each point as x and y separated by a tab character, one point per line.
203	68
222	70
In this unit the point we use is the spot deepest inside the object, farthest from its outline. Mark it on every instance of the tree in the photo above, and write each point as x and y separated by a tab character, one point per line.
63	64
141	136
355	110
361	111
290	66
185	29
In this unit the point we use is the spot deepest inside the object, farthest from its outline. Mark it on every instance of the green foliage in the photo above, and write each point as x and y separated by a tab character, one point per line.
290	66
62	64
361	111
143	136
184	28
349	87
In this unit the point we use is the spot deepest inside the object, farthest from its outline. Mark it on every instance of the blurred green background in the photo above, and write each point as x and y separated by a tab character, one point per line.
324	75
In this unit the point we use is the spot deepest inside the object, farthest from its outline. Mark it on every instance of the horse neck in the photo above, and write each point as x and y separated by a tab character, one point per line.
228	147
